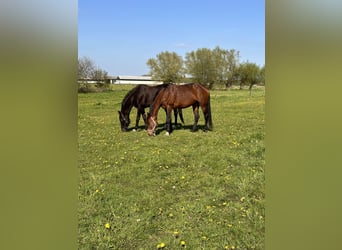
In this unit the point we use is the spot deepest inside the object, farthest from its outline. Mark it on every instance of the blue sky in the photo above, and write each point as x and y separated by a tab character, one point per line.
121	35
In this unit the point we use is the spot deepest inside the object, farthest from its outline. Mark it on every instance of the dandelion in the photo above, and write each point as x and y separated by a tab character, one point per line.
161	245
107	225
232	247
183	177
204	238
183	243
176	234
170	215
226	247
243	199
97	190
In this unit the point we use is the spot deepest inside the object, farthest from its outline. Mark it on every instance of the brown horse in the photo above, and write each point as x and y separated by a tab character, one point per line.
180	96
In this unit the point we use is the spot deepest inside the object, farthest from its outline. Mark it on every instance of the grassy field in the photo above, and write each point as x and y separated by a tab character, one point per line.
187	190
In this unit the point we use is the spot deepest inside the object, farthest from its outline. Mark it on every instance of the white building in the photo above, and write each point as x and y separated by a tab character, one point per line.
133	80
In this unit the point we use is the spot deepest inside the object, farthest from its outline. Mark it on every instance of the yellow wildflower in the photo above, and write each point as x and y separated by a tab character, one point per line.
161	245
107	225
182	243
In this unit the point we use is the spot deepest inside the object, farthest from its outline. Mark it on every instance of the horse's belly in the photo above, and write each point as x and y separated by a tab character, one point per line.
182	104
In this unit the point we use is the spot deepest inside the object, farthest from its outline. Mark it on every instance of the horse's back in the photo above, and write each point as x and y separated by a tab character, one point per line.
144	95
195	88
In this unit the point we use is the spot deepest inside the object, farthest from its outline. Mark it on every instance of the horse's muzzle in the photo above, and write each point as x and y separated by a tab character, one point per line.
151	132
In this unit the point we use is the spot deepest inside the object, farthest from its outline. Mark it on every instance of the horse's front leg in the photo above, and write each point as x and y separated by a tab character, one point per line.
176	114
144	116
196	117
168	120
138	118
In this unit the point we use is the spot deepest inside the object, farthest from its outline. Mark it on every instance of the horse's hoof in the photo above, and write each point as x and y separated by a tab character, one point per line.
134	130
167	133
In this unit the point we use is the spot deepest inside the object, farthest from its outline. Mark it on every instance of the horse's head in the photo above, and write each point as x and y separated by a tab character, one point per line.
124	121
151	124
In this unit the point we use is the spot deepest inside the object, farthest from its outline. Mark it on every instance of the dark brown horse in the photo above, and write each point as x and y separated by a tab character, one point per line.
180	96
140	97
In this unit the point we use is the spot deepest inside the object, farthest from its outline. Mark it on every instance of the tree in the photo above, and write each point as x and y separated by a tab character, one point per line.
101	78
88	71
217	66
262	75
226	64
86	68
250	74
201	66
167	66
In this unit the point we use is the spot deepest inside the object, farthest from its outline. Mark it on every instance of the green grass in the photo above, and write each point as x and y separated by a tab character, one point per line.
209	187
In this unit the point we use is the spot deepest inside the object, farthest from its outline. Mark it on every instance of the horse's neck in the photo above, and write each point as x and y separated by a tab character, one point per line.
127	105
157	103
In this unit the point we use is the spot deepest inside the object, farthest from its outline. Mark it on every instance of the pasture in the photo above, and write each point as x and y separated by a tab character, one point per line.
192	190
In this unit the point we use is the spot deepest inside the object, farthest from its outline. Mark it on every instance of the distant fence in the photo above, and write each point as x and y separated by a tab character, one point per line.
122	80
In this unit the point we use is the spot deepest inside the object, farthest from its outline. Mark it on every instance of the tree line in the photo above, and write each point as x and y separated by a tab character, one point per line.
219	67
210	67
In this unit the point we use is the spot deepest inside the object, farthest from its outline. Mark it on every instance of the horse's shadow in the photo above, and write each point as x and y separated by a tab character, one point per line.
162	128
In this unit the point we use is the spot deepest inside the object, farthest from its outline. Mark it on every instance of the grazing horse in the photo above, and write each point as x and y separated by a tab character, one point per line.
140	97
180	96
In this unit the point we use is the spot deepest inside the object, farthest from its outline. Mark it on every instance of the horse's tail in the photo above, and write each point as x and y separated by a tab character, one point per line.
210	121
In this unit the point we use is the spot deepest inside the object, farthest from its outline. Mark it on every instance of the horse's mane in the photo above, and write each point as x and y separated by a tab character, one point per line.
139	88
129	94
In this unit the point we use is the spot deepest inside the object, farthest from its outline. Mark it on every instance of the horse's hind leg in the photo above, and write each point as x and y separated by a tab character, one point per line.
180	112
196	116
206	118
